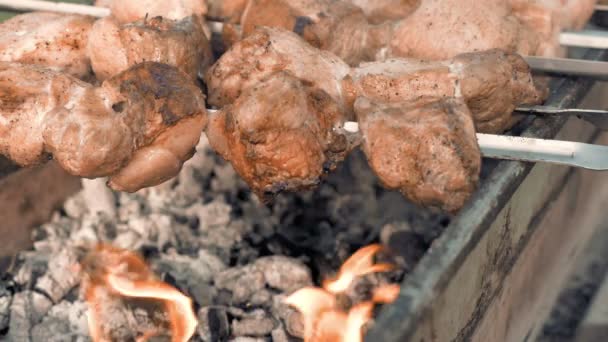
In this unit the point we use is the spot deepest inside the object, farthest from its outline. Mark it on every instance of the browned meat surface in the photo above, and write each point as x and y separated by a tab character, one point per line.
127	11
54	40
282	134
379	11
548	17
492	84
569	14
137	127
268	51
114	47
425	148
332	25
441	29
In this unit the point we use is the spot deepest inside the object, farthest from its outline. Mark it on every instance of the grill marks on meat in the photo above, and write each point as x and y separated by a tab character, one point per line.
281	134
54	40
425	148
114	47
137	127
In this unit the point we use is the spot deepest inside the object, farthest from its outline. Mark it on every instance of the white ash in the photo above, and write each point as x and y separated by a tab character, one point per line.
206	234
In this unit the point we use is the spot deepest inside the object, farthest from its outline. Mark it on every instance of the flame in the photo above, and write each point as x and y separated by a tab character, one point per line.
111	272
324	321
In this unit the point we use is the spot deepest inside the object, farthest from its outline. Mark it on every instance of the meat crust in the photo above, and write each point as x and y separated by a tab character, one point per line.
282	134
425	148
127	11
147	119
114	47
57	41
268	51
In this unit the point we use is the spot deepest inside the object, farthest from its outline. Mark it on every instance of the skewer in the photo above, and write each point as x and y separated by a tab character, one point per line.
601	7
587	156
569	66
594	39
599	118
51	6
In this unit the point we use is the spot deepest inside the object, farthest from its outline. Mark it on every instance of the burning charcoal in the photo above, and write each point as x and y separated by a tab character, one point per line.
279	335
243	282
213	324
256	327
27	309
51	237
226	179
283	273
406	246
64	322
292	318
212	216
261	298
61	276
192	275
130	206
5	304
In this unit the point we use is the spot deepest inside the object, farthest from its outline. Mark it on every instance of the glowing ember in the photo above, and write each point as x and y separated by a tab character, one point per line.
324	321
111	272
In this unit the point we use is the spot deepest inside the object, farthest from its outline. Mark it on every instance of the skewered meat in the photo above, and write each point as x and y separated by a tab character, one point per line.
424	148
336	26
114	47
138	127
442	29
54	40
379	11
569	14
282	134
268	51
492	84
435	30
128	11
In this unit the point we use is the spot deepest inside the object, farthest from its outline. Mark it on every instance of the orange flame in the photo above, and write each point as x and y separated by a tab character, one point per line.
113	272
324	321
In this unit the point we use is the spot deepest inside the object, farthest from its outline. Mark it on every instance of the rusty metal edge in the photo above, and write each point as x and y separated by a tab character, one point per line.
398	321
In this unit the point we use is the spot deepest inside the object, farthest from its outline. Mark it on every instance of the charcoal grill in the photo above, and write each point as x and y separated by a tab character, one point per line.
491	256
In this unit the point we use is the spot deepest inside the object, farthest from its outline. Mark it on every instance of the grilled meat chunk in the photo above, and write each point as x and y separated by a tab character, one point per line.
425	148
281	134
57	41
138	127
492	83
442	29
336	26
268	51
114	47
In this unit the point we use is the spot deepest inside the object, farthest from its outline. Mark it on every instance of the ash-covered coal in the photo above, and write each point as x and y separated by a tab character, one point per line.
208	236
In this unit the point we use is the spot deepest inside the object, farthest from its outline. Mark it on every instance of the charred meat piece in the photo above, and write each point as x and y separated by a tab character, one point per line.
114	47
442	29
282	134
137	127
268	51
57	41
492	83
127	11
424	148
336	26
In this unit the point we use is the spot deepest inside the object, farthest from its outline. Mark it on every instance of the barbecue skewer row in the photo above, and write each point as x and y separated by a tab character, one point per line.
562	66
587	156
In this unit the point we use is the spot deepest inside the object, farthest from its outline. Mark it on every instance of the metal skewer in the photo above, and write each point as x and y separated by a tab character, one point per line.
597	117
594	39
569	66
601	7
587	156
